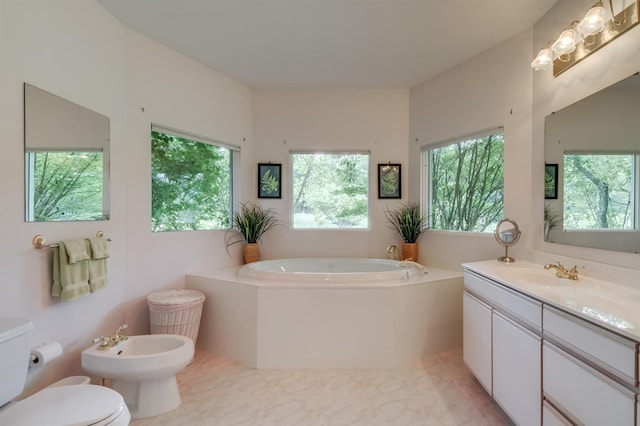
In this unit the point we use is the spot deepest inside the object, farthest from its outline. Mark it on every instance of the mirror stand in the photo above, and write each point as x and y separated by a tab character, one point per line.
506	257
507	234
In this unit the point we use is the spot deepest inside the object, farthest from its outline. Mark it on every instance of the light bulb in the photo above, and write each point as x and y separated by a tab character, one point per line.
566	43
543	61
593	21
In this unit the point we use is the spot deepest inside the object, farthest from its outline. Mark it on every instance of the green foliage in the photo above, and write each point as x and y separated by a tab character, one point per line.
190	184
408	220
467	181
330	190
269	183
66	185
599	191
389	182
250	223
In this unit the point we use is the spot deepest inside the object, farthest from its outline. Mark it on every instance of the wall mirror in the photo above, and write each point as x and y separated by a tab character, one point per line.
596	144
507	233
66	159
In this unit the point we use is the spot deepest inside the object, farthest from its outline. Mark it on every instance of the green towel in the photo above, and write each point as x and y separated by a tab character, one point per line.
97	274
99	248
70	280
77	250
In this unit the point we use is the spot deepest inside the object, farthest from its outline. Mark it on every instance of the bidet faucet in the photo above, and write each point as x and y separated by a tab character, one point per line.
109	342
393	250
562	272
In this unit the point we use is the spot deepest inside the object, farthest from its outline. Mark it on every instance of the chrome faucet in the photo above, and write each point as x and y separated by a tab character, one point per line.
111	341
393	251
562	272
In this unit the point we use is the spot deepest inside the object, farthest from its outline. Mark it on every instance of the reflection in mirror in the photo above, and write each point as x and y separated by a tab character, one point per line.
507	233
595	143
66	159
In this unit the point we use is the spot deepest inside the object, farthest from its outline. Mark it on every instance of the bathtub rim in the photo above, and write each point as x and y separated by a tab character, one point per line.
230	274
387	270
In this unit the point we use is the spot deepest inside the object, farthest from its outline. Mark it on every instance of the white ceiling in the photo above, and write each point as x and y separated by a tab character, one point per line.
329	43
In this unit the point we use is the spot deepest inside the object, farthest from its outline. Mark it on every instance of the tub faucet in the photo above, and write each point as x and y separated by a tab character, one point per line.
111	341
408	262
562	272
393	251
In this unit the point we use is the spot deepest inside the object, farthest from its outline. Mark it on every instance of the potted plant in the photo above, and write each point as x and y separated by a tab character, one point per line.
410	222
248	225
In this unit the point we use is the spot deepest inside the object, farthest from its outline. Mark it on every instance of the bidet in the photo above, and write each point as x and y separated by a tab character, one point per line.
143	369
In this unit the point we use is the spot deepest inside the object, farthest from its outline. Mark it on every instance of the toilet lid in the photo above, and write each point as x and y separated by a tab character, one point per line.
65	405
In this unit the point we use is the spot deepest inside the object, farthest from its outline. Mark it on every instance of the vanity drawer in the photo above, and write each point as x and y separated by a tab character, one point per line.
504	299
601	347
582	393
552	417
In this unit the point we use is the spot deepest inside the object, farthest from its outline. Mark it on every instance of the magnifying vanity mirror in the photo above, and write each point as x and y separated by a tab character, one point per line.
594	198
507	234
66	159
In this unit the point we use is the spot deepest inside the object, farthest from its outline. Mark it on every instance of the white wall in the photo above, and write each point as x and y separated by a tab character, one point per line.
77	50
493	88
292	119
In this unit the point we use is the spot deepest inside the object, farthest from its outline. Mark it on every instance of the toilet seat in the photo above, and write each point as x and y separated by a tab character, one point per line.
74	405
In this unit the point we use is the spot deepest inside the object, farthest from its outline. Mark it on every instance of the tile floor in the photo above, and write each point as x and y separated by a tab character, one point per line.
438	390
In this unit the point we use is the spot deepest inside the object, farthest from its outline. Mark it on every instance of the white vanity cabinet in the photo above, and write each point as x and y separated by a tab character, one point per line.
547	363
502	346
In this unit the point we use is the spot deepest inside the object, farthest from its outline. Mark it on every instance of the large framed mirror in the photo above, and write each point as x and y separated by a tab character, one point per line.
596	144
67	153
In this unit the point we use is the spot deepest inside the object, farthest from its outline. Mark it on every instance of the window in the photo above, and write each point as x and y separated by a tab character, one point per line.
600	191
64	185
191	181
330	190
463	182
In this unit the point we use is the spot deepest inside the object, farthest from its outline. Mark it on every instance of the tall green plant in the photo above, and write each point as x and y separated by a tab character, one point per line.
408	220
250	223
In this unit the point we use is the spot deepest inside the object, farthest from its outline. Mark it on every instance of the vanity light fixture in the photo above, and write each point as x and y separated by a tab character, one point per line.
584	37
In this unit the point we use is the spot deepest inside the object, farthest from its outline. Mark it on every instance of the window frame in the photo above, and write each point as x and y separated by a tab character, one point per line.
331	152
234	190
426	181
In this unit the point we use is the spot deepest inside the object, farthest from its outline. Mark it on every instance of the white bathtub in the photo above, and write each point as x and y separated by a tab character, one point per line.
329	313
333	271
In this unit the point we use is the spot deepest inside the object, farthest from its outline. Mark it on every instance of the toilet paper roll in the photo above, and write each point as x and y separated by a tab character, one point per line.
42	354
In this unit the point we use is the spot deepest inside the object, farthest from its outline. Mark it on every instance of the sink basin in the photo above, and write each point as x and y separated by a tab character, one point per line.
146	356
535	277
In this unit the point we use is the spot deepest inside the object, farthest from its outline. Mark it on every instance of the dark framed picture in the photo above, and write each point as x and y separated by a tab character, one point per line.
551	181
269	180
389	181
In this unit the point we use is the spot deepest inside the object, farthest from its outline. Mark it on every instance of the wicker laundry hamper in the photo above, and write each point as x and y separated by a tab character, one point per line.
176	312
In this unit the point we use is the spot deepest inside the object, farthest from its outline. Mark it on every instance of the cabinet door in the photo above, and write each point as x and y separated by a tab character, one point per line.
517	380
476	343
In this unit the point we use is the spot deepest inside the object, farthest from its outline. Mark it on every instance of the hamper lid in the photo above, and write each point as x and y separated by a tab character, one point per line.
175	297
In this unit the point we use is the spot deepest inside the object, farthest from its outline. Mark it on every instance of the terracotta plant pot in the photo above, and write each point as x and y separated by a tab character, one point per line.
410	251
251	252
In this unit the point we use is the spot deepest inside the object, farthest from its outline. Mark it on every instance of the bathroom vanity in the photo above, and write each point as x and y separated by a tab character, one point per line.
549	350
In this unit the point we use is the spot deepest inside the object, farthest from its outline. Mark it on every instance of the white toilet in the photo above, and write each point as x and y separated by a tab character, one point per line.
59	404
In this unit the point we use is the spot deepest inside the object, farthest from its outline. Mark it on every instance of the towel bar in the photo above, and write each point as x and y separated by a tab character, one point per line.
38	241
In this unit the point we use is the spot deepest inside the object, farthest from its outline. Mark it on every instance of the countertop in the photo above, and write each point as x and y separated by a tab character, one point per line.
610	305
